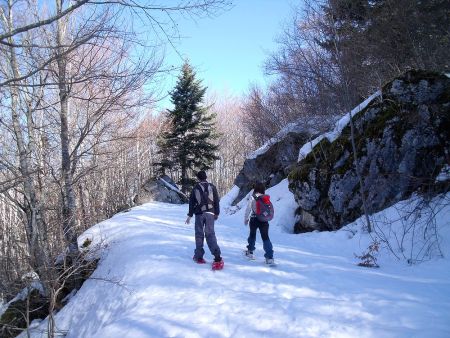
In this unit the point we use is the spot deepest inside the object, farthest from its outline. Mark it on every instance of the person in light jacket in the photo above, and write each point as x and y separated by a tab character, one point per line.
255	224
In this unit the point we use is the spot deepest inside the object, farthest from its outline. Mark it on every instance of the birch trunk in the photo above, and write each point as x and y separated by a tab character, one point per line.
33	211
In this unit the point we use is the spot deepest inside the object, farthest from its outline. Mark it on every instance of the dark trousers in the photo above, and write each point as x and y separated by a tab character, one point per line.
264	231
204	227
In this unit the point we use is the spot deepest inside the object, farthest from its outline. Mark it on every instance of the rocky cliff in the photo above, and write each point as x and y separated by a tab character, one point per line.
402	140
270	163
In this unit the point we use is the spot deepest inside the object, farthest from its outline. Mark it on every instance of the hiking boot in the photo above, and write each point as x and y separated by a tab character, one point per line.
249	254
270	261
218	265
199	260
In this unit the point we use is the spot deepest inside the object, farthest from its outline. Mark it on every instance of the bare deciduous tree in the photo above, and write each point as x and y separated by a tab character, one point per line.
75	83
235	142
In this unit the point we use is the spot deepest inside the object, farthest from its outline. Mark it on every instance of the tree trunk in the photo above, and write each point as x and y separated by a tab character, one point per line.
68	194
184	179
346	83
34	224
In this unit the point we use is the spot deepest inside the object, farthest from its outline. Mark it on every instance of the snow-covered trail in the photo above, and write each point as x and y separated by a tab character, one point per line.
148	286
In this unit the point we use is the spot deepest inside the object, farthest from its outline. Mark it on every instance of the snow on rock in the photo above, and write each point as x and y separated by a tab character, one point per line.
339	126
146	284
291	127
172	187
3	308
161	189
307	147
22	295
444	175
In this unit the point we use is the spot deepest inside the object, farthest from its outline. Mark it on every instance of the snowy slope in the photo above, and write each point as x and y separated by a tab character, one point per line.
147	285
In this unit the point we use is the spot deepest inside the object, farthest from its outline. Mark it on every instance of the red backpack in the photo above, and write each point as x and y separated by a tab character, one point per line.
264	208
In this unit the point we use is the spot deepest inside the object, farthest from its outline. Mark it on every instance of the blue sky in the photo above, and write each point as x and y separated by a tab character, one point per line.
228	51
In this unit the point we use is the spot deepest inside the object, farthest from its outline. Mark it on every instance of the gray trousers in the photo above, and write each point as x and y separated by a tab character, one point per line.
204	227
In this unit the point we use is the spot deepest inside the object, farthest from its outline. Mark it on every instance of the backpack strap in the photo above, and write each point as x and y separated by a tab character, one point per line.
258	204
202	192
253	208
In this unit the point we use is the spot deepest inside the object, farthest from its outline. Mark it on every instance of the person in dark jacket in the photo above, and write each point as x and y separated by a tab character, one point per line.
204	204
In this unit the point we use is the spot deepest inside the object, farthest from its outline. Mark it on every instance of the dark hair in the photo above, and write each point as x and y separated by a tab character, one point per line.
201	175
259	187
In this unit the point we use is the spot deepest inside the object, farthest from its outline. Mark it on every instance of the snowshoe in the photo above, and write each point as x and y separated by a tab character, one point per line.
249	254
199	260
270	262
217	265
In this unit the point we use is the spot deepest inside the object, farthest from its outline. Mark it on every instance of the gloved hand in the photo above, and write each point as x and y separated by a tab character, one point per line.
188	220
245	221
216	217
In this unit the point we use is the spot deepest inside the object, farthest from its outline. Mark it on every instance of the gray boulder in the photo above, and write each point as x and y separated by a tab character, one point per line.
270	164
402	144
161	189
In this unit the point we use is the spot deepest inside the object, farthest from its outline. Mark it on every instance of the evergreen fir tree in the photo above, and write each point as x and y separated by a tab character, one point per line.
187	144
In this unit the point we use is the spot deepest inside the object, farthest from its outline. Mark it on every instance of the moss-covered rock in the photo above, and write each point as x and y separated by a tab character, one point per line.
402	142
